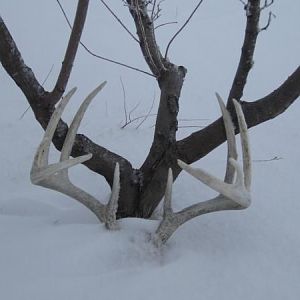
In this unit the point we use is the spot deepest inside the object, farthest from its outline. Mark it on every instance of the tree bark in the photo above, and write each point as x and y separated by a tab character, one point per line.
163	152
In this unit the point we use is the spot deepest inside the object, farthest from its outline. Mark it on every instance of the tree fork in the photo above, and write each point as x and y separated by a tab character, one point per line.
163	152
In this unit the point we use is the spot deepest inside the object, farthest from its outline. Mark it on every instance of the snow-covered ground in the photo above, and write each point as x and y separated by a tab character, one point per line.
52	248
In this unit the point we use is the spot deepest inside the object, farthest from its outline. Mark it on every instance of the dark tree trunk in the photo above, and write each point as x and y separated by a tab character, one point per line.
163	152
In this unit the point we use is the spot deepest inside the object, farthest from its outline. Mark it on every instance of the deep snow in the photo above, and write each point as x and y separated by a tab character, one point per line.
52	248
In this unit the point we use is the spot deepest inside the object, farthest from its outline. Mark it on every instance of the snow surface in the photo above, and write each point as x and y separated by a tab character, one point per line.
52	248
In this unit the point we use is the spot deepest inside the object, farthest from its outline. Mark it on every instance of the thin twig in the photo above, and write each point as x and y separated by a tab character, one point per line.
153	115
44	81
138	118
267	4
190	126
132	110
185	126
99	56
47	76
23	114
146	34
114	61
164	24
119	20
124	100
153	10
156	9
148	114
267	160
192	119
145	39
182	27
271	15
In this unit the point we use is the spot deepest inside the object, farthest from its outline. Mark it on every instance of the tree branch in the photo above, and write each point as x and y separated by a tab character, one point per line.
271	15
200	143
252	8
67	64
275	103
145	31
182	27
119	20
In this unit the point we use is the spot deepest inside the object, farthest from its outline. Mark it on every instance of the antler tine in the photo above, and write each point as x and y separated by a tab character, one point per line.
231	141
169	223
69	141
245	144
40	167
168	194
237	193
42	153
208	179
112	206
38	174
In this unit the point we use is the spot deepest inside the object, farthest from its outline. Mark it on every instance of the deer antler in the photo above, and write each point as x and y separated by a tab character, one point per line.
55	176
234	191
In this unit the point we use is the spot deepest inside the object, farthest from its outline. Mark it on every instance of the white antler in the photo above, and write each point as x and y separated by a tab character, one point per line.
234	191
55	176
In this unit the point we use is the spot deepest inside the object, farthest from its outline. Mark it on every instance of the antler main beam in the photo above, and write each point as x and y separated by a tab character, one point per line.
234	191
55	176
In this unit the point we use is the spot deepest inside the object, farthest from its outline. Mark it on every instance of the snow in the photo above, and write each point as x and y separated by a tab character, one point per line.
53	248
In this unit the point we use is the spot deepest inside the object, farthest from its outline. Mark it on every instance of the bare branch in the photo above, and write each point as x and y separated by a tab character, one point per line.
256	112
138	118
182	27
114	61
190	126
271	15
147	115
132	111
130	119
66	68
145	31
124	101
156	9
267	4
252	9
100	56
153	10
119	20
44	81
143	117
164	24
267	160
